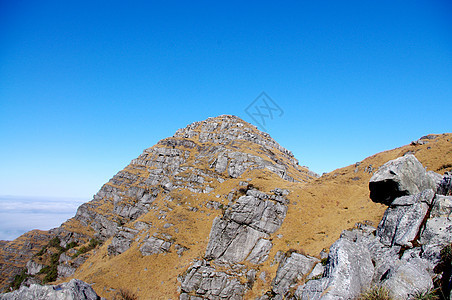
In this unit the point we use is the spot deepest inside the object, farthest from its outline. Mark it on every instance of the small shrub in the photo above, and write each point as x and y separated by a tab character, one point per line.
324	261
429	294
376	293
71	245
18	279
124	294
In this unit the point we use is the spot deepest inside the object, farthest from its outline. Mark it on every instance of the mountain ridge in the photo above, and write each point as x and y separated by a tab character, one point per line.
163	204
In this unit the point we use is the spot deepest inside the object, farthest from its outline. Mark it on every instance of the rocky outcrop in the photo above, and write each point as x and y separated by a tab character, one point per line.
241	234
292	268
72	290
399	177
243	231
202	281
404	253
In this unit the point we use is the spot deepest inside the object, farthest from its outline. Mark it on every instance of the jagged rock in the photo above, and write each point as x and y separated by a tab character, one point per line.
154	245
230	241
265	216
316	272
292	268
245	227
33	267
445	185
399	177
438	229
122	240
401	222
65	270
407	278
260	252
207	283
349	271
72	290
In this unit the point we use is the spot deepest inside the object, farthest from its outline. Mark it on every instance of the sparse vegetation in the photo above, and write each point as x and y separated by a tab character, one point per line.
323	261
93	243
430	294
376	293
124	294
18	279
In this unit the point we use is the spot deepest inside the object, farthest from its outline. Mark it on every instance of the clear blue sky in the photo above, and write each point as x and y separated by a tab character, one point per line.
85	86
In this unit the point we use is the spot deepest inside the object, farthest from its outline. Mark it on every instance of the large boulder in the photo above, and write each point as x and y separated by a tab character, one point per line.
72	290
291	269
402	221
207	283
399	177
349	271
438	228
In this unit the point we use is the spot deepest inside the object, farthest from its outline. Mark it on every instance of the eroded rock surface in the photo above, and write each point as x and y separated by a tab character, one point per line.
72	290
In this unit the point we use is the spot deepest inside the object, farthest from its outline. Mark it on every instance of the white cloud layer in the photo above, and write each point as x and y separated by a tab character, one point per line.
21	214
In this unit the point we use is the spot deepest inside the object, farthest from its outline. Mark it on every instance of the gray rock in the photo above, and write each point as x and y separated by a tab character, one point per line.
438	229
72	290
154	245
291	269
205	282
407	278
348	272
399	177
401	222
65	270
445	185
230	241
316	272
122	240
33	267
260	252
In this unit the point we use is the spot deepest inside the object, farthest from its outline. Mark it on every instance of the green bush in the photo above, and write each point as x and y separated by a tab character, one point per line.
18	279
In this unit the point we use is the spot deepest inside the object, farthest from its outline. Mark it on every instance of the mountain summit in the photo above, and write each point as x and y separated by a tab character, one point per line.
218	210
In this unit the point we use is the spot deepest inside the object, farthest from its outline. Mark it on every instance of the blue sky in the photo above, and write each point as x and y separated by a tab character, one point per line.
85	86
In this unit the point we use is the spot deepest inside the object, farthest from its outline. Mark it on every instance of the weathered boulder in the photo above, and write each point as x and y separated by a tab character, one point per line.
154	245
348	272
122	240
401	222
399	177
408	277
244	229
438	229
72	290
207	283
291	269
33	267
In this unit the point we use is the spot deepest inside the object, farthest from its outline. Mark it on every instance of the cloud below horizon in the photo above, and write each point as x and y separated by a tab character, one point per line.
21	214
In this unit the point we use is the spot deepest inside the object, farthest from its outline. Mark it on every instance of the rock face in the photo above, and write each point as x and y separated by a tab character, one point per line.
243	231
72	290
241	234
399	177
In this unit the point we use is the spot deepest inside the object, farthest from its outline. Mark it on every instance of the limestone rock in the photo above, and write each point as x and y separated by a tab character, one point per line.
348	272
207	283
401	222
154	245
72	290
292	268
399	177
438	229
